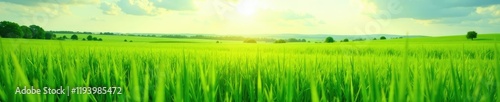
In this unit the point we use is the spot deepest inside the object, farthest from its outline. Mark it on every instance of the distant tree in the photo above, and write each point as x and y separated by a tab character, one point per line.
50	35
217	42
100	39
303	40
83	39
294	40
471	35
74	37
249	41
374	38
95	39
358	39
10	30
38	32
89	38
27	32
329	40
345	40
125	40
280	41
130	41
382	38
60	38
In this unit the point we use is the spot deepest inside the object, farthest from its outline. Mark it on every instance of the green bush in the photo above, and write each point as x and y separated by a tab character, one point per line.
280	41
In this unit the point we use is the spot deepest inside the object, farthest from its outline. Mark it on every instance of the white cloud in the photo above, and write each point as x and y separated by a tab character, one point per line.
110	8
42	2
486	16
493	10
148	7
34	14
432	9
137	7
289	18
40	11
178	5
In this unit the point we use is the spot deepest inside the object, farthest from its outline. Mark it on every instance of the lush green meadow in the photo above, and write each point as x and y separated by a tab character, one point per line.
451	69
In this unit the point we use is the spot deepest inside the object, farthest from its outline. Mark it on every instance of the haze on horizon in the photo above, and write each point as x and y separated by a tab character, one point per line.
422	17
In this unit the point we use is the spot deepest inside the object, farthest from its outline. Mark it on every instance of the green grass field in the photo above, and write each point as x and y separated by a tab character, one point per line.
451	69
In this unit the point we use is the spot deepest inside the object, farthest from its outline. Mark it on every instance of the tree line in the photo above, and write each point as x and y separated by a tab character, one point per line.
250	40
13	30
331	40
84	32
71	32
89	38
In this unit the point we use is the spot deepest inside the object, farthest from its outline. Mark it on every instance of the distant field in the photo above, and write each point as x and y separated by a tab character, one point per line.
483	38
423	69
120	38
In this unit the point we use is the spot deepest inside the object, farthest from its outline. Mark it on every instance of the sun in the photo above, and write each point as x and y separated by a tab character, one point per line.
247	7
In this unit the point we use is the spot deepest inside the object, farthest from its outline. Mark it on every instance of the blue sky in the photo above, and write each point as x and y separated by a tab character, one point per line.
246	17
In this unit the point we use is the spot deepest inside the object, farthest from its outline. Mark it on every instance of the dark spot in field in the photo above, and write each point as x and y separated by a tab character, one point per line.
172	42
